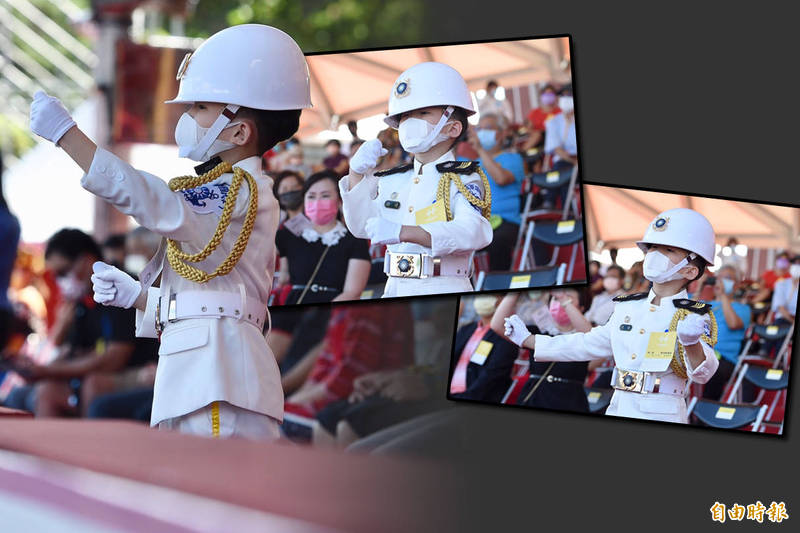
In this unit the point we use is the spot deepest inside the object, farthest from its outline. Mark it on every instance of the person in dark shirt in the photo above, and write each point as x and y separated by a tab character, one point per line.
9	239
96	339
335	160
343	271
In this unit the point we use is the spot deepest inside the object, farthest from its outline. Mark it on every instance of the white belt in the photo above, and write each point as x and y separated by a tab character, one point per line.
419	265
648	382
209	304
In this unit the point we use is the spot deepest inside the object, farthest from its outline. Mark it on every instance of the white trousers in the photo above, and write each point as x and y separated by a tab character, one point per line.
222	419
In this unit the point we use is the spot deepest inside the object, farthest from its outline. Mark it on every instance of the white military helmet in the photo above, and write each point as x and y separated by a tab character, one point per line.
428	84
250	65
682	228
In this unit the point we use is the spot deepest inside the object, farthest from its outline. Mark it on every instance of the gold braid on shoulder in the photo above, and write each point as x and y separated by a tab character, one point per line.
443	193
677	364
179	260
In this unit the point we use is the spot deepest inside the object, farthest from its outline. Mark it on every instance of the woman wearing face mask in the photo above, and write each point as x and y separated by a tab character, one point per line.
552	385
733	319
483	369
538	117
660	340
784	298
433	213
324	262
506	171
288	189
561	144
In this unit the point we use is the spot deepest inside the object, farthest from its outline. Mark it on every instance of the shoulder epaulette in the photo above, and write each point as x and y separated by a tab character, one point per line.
459	167
693	306
395	170
630	297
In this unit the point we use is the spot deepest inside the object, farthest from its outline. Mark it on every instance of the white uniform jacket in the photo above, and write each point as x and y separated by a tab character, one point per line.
202	360
397	197
626	336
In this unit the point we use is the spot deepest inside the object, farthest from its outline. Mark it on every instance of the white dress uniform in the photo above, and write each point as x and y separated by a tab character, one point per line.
398	195
220	358
626	336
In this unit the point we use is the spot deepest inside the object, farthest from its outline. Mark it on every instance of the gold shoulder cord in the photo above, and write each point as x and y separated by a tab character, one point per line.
178	259
677	364
443	193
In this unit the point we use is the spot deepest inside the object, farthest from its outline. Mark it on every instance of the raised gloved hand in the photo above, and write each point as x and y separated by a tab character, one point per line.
366	157
382	231
690	329
516	330
49	118
114	287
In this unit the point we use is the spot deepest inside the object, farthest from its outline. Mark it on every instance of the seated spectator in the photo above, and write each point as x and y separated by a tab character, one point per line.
95	338
784	297
491	104
325	262
114	250
733	319
296	163
386	398
538	117
595	277
396	155
506	172
560	142
288	189
359	339
635	281
485	359
552	385
335	159
602	304
770	277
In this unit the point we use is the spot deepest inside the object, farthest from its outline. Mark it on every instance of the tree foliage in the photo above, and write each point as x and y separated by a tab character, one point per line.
318	25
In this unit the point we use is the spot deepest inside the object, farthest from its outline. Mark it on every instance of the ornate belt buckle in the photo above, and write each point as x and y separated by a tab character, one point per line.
405	265
630	381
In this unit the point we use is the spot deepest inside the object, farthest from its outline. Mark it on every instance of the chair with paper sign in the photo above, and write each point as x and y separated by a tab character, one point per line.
546	276
726	415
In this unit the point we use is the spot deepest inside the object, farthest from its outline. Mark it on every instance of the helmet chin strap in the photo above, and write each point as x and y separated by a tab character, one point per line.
213	132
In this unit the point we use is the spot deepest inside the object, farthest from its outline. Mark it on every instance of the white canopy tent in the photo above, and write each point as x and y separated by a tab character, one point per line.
617	217
355	85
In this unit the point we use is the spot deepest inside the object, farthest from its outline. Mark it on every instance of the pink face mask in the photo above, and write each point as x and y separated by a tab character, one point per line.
321	212
559	314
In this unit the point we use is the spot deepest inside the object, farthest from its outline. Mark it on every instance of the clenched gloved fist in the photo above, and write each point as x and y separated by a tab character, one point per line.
690	329
366	157
114	287
516	330
49	118
382	231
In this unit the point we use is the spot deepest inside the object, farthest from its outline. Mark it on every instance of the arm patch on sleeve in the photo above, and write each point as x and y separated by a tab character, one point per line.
477	192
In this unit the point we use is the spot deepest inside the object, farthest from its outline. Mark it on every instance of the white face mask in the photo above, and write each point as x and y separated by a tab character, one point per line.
794	271
566	104
659	269
612	284
188	134
135	263
71	287
417	136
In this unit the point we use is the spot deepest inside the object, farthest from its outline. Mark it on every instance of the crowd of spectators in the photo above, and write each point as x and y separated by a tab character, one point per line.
487	367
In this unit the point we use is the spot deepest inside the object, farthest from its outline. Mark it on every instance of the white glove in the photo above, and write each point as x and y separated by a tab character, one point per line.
382	231
516	330
114	287
366	157
690	328
49	118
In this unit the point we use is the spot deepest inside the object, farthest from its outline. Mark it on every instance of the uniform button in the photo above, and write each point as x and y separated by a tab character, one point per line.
641	331
416	180
633	356
652	308
410	209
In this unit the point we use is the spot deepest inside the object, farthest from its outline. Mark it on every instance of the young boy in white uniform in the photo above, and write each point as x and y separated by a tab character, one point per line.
660	340
431	226
246	87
